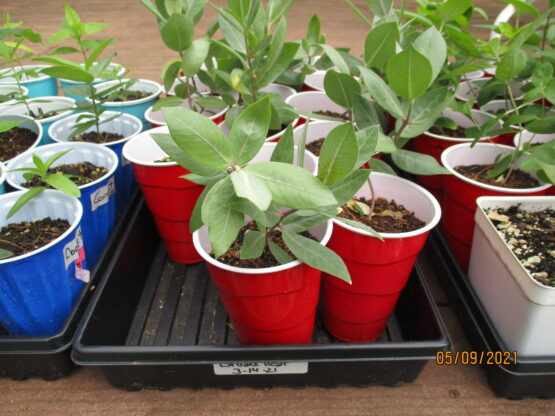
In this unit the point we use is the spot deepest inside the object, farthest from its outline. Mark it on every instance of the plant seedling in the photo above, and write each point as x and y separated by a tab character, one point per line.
57	181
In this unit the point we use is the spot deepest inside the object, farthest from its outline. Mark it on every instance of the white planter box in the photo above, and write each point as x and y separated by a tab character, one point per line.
522	309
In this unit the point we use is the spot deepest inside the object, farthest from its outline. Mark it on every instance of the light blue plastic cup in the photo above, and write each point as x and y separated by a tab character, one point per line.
42	86
97	198
136	108
45	104
38	290
28	123
126	125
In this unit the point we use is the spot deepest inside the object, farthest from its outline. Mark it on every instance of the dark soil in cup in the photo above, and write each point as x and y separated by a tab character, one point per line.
15	141
518	178
389	216
267	259
344	116
531	236
315	146
24	237
122	96
81	174
93	137
443	131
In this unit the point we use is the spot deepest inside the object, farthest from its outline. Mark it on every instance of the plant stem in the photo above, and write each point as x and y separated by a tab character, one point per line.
19	87
91	89
514	154
406	122
544	37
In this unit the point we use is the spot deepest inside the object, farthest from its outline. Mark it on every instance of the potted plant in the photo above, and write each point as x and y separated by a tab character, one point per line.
511	270
18	134
10	91
240	191
91	168
40	273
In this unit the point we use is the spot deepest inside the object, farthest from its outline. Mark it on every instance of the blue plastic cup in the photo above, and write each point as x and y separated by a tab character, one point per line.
2	178
28	123
38	290
42	86
45	104
97	198
126	125
136	108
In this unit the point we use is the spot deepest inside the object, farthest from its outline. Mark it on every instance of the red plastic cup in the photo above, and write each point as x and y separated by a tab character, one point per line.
459	202
434	144
170	198
272	305
379	270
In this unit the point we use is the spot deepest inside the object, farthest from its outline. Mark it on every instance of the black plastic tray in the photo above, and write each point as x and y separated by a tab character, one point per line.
48	357
528	376
158	324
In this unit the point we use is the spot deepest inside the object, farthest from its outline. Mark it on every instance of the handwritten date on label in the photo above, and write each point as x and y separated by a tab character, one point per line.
102	195
254	368
74	249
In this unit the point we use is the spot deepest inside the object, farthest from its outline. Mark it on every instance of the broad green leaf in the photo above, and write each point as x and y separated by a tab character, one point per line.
72	74
432	45
64	50
379	45
523	7
463	40
6	125
340	88
452	9
462	70
292	186
313	30
278	8
168	145
367	141
249	131
316	255
54	158
208	101
177	32
380	8
275	45
426	110
378	165
97	52
267	219
285	150
196	217
92	27
542	126
194	56
232	31
360	226
298	223
223	222
417	163
199	137
279	254
252	188
5	254
253	245
170	73
336	58
79	90
338	155
61	183
347	187
365	112
409	73
511	65
287	54
381	92
23	199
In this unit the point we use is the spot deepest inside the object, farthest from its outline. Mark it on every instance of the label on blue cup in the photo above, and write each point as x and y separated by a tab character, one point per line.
102	195
75	249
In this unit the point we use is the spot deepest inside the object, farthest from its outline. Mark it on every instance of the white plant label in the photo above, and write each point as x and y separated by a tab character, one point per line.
253	368
102	195
74	250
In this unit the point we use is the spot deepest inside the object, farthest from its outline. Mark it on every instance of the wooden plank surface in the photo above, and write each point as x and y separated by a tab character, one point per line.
440	390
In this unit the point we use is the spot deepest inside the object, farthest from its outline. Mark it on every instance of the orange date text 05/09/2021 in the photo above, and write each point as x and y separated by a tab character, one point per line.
476	357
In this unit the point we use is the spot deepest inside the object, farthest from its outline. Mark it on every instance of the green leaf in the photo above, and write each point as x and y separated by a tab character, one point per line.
380	8
232	31
48	163
315	255
340	88
313	30
168	145
336	58
23	199
296	223
426	111
252	188
196	217
282	63
249	131
194	56
432	45
511	65
348	186
278	8
285	150
378	165
208	101
360	226
199	137
61	183
253	245
367	141
72	74
381	92
223	222
6	125
279	254
153	10
97	52
5	254
301	146
338	155
523	7
365	112
452	9
417	163
170	73
409	73
64	50
267	219
379	45
177	32
292	186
